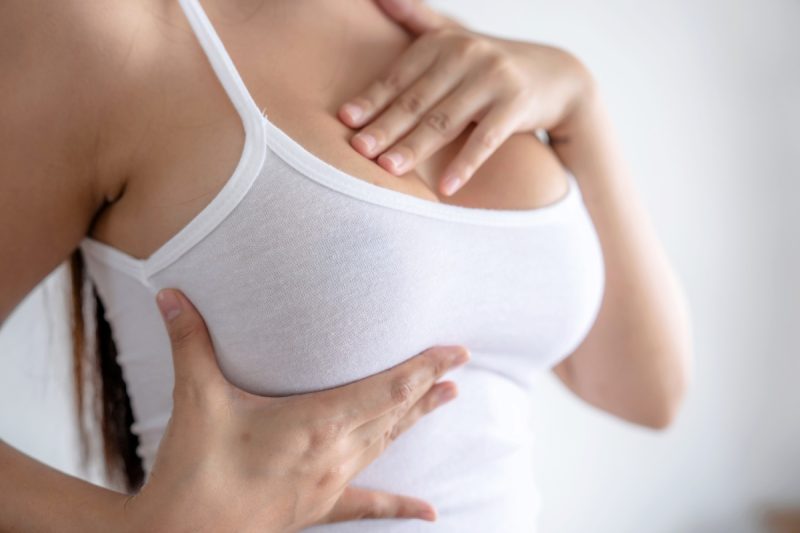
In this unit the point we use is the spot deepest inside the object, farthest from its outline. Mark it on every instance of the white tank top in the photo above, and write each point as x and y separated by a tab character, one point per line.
310	278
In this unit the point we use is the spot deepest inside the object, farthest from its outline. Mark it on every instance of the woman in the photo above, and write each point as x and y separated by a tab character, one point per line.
304	466
314	267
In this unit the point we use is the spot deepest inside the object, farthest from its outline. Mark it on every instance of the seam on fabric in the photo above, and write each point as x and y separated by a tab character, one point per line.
251	159
112	257
247	170
322	172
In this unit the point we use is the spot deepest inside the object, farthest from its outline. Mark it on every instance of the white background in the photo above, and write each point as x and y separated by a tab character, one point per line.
706	99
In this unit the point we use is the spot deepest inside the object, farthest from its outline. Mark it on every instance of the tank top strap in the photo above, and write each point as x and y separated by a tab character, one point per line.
248	168
223	65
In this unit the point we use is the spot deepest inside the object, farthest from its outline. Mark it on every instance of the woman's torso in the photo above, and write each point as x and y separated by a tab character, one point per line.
309	277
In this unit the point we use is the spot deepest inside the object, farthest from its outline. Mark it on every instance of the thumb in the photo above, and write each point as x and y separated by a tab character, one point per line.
193	356
416	16
356	503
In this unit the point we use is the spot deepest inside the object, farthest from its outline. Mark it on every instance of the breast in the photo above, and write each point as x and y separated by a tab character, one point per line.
305	288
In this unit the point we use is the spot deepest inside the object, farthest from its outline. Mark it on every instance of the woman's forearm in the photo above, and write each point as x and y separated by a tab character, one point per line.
36	497
635	362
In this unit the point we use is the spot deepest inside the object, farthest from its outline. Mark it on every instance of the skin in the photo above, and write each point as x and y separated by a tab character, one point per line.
76	140
297	453
133	147
222	466
635	361
451	78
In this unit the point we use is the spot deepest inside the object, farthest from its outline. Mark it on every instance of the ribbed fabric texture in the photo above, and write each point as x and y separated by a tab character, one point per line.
310	278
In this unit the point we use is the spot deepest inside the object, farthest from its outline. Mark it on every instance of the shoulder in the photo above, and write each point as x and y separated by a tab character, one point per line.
62	73
67	68
49	46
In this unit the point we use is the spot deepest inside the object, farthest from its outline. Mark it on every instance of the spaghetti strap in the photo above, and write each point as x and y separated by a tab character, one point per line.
222	64
251	162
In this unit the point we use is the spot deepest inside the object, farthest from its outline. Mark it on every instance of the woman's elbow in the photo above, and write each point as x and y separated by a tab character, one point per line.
663	405
662	416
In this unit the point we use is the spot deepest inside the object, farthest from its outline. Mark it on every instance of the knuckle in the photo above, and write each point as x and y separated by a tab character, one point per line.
461	48
392	83
439	366
368	441
372	507
440	37
297	438
439	121
183	331
436	357
499	61
463	45
392	433
332	477
501	65
411	150
324	435
410	103
442	31
401	508
402	389
488	138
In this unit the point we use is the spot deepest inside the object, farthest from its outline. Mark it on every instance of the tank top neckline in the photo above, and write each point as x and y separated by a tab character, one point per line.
263	140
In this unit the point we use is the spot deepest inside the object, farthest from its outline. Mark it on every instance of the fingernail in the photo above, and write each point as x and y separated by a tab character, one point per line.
395	159
168	304
368	141
353	112
451	184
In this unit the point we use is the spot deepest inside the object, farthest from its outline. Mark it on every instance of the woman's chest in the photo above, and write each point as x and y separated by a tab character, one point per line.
344	288
309	276
194	136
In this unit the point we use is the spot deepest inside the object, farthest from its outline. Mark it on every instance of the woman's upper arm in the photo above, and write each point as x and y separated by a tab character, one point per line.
49	130
635	361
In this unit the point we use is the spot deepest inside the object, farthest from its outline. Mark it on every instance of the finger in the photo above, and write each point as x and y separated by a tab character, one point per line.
442	393
193	357
385	429
416	16
403	384
412	63
406	110
357	503
491	132
437	128
367	442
